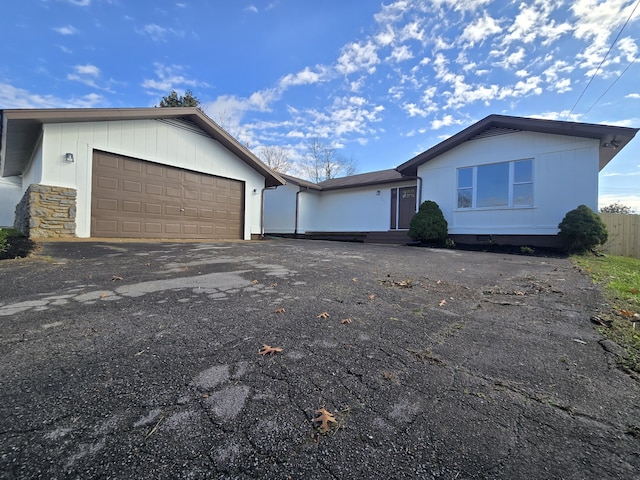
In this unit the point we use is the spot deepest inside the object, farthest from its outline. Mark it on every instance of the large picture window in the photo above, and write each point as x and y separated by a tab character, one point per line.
497	185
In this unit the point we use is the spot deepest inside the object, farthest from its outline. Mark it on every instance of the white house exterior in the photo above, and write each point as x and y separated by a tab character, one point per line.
504	179
349	207
150	172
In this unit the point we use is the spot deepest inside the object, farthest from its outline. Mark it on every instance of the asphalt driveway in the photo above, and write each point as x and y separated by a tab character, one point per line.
141	360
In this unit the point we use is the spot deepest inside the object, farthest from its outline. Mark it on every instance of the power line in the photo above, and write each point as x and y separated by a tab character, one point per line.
609	87
603	60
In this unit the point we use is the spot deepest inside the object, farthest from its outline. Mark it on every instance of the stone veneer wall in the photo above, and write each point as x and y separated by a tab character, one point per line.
46	212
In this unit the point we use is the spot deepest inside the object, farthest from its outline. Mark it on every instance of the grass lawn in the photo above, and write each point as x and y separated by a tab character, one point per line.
621	279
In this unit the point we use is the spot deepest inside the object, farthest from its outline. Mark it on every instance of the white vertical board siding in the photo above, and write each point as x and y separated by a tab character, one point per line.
10	195
308	207
565	175
280	209
356	209
149	140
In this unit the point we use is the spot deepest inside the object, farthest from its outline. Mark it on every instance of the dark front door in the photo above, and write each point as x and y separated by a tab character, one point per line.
403	207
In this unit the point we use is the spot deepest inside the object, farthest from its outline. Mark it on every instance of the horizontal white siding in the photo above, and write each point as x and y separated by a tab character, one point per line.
149	140
565	175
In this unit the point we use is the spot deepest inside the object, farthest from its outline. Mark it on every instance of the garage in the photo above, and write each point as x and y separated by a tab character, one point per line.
133	198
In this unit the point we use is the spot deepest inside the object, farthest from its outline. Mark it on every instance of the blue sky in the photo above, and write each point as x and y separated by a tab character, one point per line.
380	81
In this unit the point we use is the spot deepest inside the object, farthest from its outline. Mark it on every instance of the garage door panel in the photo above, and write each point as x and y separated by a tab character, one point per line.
136	198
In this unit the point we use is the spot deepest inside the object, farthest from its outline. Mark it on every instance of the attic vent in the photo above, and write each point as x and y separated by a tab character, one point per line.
495	131
183	124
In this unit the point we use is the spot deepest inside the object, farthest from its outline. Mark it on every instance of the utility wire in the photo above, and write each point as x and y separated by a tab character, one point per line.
602	61
608	88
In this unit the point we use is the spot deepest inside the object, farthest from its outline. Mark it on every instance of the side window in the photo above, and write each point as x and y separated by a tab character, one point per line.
523	183
465	188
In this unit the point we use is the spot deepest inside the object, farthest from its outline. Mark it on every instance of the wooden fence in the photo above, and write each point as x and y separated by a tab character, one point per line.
624	234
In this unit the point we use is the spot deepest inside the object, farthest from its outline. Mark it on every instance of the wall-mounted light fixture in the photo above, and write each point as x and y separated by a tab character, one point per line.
69	157
255	190
378	192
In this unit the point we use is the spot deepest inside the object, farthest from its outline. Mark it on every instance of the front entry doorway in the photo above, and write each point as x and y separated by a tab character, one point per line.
403	207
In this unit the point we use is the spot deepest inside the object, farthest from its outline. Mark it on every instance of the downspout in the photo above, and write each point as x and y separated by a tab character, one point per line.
295	229
419	196
262	210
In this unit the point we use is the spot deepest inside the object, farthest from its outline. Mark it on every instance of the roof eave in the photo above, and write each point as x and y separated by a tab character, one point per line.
41	116
607	135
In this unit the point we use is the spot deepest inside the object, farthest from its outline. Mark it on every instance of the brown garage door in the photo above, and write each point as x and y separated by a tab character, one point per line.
138	199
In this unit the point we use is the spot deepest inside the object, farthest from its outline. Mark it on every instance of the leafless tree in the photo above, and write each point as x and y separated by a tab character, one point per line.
323	162
276	158
617	207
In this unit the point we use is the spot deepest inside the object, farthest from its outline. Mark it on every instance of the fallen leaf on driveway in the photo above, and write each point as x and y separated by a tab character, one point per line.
116	278
346	321
325	418
254	282
185	268
279	310
443	302
372	296
269	350
323	315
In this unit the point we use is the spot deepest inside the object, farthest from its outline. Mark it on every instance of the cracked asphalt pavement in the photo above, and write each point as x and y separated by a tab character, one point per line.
140	360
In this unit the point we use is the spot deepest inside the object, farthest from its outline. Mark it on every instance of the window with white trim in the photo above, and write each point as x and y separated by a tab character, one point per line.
496	185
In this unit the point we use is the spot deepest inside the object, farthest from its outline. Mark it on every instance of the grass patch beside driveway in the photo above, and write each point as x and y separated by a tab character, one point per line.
621	278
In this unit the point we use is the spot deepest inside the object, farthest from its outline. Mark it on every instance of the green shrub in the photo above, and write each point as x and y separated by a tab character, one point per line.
429	224
582	230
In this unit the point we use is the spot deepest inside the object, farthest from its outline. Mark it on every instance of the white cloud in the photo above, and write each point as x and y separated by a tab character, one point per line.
66	30
481	29
251	8
356	57
633	95
158	33
88	69
170	77
79	3
304	77
87	74
533	22
401	54
13	97
446	121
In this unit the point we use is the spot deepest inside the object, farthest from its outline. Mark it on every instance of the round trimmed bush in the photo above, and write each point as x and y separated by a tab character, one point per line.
429	224
582	230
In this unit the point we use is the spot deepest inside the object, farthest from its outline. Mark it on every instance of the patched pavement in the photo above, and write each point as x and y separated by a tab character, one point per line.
141	360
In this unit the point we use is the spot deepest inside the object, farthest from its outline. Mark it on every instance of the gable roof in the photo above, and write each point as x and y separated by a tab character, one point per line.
612	138
22	127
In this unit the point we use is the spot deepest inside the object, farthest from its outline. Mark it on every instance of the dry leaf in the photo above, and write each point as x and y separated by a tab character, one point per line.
355	280
273	285
279	310
104	295
185	268
254	282
627	313
148	264
116	278
442	303
269	350
346	321
438	282
323	315
325	418
372	296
